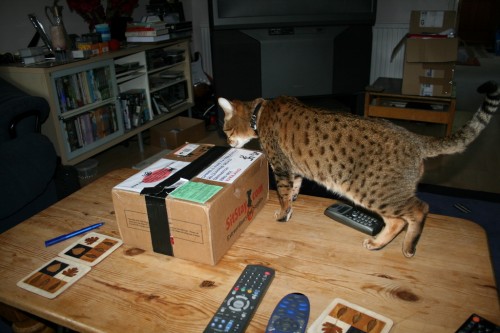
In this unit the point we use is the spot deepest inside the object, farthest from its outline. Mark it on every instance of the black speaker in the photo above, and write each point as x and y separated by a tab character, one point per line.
236	65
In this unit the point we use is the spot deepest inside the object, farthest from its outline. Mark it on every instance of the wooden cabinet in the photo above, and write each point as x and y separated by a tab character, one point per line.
99	102
388	102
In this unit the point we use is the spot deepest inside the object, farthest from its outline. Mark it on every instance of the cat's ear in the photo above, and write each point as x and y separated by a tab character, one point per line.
257	101
226	106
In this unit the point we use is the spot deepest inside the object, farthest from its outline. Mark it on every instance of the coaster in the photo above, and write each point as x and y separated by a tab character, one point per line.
72	263
343	316
54	277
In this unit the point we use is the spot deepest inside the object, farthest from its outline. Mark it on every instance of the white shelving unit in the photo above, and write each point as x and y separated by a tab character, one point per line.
88	110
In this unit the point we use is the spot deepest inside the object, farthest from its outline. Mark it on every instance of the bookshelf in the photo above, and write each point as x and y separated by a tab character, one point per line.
99	102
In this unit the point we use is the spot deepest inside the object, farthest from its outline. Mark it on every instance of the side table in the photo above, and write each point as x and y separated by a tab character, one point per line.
385	100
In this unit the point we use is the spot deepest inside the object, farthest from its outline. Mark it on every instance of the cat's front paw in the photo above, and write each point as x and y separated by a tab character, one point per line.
409	253
283	216
371	245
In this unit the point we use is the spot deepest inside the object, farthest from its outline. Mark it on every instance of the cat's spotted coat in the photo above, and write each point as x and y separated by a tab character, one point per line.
372	162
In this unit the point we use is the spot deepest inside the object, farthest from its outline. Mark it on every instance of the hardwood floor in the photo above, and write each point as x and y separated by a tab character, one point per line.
475	169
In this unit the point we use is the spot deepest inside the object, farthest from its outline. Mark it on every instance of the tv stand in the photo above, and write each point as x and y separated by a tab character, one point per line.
300	52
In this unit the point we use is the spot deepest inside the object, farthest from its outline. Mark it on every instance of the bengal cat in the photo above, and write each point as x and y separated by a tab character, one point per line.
373	162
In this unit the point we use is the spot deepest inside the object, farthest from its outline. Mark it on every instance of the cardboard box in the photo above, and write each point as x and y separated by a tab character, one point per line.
177	131
202	217
430	55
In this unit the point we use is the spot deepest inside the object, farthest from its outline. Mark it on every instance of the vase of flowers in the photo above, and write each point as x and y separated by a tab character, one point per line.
117	13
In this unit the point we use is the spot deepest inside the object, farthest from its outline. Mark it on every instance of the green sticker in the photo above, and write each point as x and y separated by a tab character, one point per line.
197	192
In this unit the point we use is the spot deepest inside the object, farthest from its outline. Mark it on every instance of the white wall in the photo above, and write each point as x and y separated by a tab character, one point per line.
16	30
398	11
392	24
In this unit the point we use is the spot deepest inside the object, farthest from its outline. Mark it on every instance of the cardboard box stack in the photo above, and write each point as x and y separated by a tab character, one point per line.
177	131
193	203
431	53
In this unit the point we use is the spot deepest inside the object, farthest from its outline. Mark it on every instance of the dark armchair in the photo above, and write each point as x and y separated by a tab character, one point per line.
28	161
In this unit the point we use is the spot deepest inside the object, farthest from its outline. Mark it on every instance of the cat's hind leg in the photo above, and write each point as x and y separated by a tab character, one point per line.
284	187
297	183
393	226
416	219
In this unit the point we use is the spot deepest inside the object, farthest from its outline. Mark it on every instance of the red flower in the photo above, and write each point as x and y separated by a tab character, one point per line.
92	11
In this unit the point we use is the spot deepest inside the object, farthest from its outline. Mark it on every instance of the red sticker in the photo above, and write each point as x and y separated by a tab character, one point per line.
157	175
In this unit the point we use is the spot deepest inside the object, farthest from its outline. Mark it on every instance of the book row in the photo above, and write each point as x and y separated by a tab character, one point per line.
135	109
88	127
79	89
91	126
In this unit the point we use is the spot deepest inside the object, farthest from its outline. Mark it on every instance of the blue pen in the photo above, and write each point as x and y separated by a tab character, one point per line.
72	234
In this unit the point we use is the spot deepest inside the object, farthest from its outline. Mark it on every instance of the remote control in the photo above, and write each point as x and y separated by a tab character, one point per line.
242	301
290	315
361	220
476	324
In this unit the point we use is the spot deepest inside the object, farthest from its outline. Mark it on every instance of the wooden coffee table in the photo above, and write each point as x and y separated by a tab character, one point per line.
135	291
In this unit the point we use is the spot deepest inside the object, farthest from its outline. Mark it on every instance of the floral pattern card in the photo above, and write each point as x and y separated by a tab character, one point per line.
344	317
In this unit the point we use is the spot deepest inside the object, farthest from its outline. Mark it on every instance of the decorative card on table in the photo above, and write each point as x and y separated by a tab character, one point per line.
345	317
74	262
91	249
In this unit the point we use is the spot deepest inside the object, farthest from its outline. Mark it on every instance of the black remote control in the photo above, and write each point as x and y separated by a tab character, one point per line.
240	304
357	218
477	324
290	315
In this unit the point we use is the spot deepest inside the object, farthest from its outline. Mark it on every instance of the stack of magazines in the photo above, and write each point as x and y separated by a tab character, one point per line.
147	32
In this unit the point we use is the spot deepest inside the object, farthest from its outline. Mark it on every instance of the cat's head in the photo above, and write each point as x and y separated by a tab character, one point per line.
237	121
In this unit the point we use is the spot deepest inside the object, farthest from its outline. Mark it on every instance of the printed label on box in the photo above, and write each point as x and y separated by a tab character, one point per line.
426	89
186	150
230	166
137	220
197	192
152	175
187	231
431	19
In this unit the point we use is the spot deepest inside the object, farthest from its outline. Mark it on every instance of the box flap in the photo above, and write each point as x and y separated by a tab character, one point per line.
432	21
431	50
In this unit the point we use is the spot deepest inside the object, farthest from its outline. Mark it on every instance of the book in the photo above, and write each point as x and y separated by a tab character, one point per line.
146	25
135	33
147	39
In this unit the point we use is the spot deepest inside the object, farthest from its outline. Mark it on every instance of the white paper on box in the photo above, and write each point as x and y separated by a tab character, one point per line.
152	175
431	19
186	150
230	166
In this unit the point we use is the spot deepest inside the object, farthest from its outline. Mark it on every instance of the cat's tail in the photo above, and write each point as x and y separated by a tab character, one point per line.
458	141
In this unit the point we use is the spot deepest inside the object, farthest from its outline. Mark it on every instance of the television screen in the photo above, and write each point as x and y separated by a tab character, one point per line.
255	13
